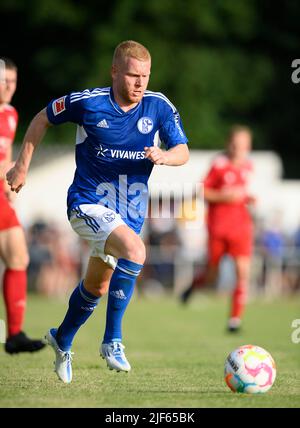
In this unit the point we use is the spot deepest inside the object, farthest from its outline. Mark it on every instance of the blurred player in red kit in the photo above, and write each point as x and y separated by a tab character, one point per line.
13	249
229	222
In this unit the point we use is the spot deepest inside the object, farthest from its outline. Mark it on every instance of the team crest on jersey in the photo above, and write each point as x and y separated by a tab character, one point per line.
108	217
145	125
59	105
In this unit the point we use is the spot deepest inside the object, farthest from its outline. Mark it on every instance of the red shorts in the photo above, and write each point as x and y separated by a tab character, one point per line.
8	217
235	246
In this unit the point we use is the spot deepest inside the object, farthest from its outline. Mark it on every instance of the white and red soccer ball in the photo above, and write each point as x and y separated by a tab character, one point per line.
250	369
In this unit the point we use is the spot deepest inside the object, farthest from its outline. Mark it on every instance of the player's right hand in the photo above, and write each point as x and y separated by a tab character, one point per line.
16	179
233	194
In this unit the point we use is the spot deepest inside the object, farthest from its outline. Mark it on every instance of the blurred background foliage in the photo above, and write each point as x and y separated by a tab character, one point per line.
220	62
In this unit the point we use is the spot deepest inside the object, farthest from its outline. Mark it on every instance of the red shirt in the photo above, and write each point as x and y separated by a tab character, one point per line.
8	126
230	217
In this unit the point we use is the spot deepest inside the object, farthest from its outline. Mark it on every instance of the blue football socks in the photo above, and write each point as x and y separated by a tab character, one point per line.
120	291
81	306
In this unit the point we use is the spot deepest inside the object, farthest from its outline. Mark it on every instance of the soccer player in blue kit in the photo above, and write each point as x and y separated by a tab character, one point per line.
119	132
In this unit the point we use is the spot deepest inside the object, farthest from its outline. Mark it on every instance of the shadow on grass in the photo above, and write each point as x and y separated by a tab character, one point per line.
162	391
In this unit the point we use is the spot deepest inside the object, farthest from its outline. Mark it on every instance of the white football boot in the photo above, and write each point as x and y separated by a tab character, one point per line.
63	362
113	353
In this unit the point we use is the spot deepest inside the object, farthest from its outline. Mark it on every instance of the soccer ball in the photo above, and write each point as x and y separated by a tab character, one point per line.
250	369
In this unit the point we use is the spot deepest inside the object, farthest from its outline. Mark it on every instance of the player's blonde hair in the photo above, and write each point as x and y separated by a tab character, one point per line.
9	64
235	129
130	49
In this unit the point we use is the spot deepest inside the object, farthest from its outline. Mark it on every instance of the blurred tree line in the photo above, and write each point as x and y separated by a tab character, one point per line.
220	62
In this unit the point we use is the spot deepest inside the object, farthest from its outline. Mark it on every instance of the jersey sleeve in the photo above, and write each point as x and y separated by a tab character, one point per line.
171	132
65	109
212	178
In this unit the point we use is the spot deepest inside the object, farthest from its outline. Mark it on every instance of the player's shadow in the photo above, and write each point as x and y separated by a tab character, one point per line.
161	391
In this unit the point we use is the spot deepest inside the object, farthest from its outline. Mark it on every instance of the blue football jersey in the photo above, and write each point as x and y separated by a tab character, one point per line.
111	168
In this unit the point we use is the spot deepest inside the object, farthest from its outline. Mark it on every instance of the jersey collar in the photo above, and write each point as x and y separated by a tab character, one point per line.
118	108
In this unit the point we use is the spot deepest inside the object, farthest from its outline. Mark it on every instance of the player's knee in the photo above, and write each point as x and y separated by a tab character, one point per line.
242	275
135	251
97	289
18	261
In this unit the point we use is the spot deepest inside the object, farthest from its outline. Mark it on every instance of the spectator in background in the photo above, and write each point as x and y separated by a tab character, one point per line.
272	246
39	252
297	240
191	229
297	259
163	242
53	267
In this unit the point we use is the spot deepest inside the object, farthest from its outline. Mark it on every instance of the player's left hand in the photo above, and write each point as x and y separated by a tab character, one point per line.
156	155
251	200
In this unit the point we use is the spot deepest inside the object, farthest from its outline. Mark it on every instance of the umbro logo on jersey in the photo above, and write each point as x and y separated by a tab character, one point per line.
102	124
119	294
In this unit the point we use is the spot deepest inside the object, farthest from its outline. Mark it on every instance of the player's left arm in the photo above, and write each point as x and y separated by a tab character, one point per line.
175	156
171	133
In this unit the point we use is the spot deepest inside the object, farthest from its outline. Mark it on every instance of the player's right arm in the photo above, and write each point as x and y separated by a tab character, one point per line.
215	192
16	176
68	108
223	195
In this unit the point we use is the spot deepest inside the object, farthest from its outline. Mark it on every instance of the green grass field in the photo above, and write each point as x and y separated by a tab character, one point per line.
177	355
